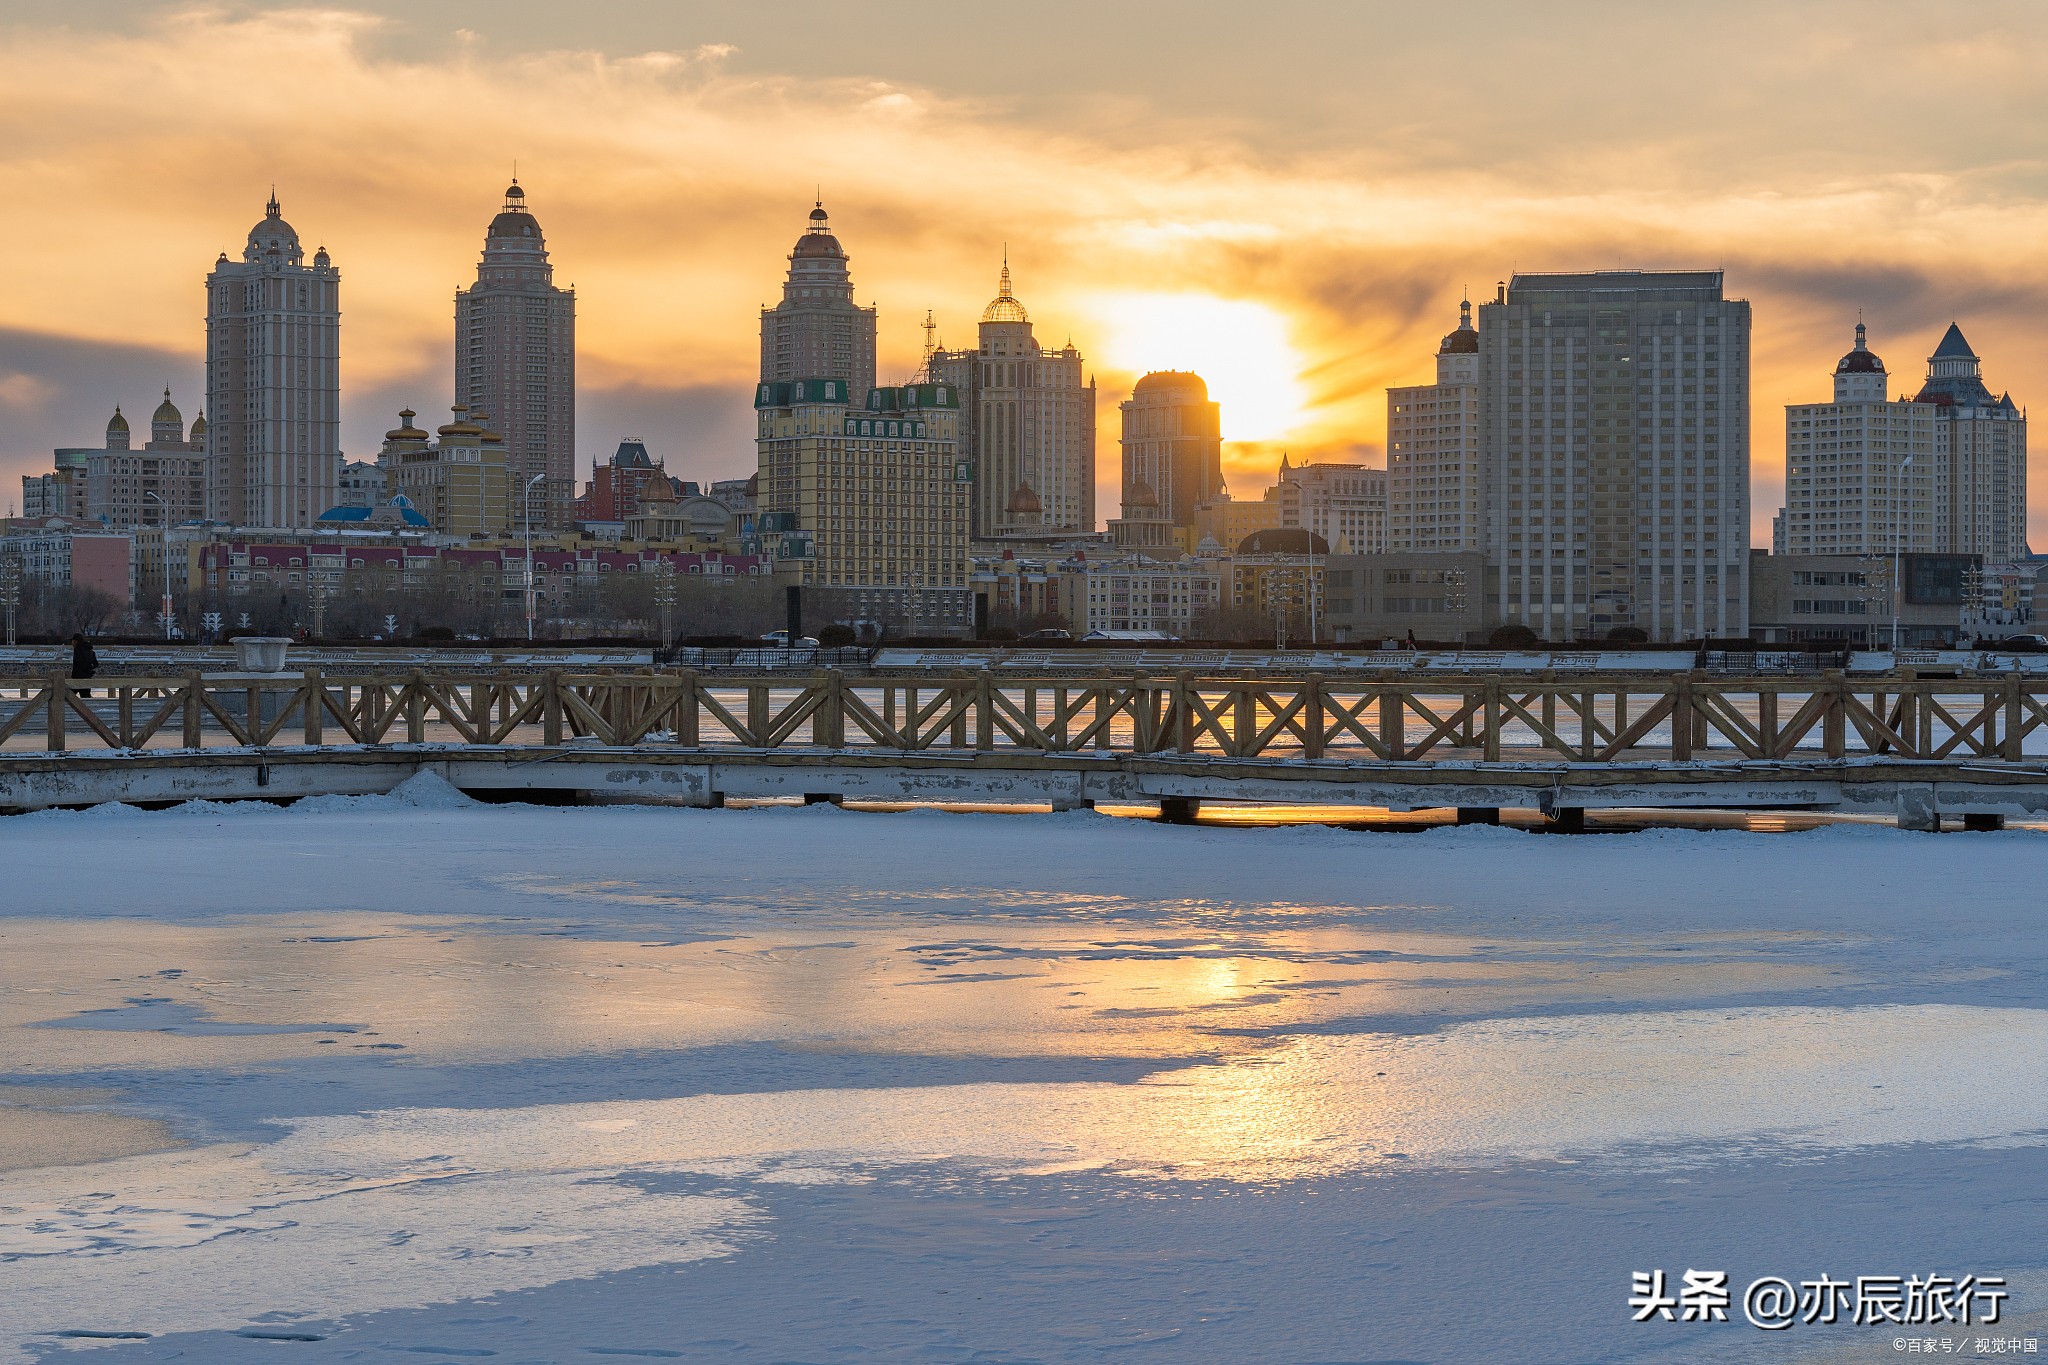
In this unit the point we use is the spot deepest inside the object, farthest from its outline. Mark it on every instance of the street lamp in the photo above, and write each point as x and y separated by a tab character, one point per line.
527	498
10	591
168	619
664	598
1898	539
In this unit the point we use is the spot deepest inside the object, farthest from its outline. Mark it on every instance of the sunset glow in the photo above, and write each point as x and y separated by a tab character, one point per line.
1241	348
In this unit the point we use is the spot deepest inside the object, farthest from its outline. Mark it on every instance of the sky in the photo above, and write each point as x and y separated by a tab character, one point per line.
1289	197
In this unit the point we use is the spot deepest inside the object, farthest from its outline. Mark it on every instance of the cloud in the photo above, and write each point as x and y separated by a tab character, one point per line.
671	183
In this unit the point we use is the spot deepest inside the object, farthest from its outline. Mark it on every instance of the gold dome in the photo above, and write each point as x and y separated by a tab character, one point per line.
1004	307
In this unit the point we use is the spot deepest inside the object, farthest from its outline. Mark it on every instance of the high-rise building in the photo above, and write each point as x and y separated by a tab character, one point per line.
1861	474
869	501
1614	414
1028	424
1434	470
273	381
515	356
1980	450
1172	443
1345	504
817	331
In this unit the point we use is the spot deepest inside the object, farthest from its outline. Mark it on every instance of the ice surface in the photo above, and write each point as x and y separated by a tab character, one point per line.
810	1085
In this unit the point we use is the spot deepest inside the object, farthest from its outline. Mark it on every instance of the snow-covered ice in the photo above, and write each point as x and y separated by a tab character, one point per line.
817	1085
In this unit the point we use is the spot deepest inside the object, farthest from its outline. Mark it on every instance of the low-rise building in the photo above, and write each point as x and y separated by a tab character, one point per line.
1435	596
457	483
1852	599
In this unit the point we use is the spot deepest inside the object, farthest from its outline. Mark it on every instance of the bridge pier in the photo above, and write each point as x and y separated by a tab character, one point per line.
1917	809
1479	815
1179	810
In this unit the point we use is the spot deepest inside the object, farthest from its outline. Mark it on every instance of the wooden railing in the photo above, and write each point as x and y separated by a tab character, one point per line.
1495	718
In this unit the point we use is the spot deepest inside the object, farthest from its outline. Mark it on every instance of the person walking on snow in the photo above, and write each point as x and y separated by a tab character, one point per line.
84	662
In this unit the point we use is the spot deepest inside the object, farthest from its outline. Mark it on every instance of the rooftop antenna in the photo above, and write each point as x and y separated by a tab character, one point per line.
931	344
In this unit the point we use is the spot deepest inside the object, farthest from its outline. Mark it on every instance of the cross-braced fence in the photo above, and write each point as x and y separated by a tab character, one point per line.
1498	718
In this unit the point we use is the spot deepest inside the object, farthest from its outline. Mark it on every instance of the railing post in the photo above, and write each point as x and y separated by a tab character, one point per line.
1393	719
551	707
1699	717
315	692
1834	720
1244	720
194	710
1312	717
984	711
686	708
1183	704
1681	718
2009	748
958	701
1490	718
757	713
60	696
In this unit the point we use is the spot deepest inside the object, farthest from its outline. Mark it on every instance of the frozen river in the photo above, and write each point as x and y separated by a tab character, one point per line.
412	1075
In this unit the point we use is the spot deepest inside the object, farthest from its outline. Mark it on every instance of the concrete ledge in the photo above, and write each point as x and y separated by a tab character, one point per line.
1917	793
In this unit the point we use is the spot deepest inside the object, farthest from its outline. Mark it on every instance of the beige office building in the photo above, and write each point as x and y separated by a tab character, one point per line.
1861	473
162	483
515	357
870	500
459	483
817	331
273	381
1027	424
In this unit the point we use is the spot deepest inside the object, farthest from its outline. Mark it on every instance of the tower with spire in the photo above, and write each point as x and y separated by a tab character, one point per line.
1434	464
273	380
515	358
818	331
1980	455
1030	428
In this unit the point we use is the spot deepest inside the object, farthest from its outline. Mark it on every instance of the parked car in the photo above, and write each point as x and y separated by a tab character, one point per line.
1051	633
780	639
2019	644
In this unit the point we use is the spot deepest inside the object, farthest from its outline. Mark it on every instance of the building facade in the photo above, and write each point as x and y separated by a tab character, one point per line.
1345	504
163	481
1980	450
1862	475
1172	443
273	381
459	483
1435	596
515	356
1434	466
869	500
1614	413
817	331
1027	424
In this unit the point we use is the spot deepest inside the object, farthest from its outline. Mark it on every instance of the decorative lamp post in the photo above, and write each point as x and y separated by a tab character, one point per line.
531	603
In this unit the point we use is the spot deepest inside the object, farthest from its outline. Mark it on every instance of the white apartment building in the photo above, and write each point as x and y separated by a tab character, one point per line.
1861	473
1138	594
1944	472
1614	414
1345	504
1433	452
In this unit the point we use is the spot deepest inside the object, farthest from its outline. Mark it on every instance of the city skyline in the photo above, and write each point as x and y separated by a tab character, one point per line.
1145	238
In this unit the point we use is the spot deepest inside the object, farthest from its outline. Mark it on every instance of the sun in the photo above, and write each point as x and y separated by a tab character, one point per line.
1241	348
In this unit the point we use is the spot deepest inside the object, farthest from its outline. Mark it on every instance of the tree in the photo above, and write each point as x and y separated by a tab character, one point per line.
1513	636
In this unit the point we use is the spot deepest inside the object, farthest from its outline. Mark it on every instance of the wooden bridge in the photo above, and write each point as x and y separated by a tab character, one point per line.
1916	748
